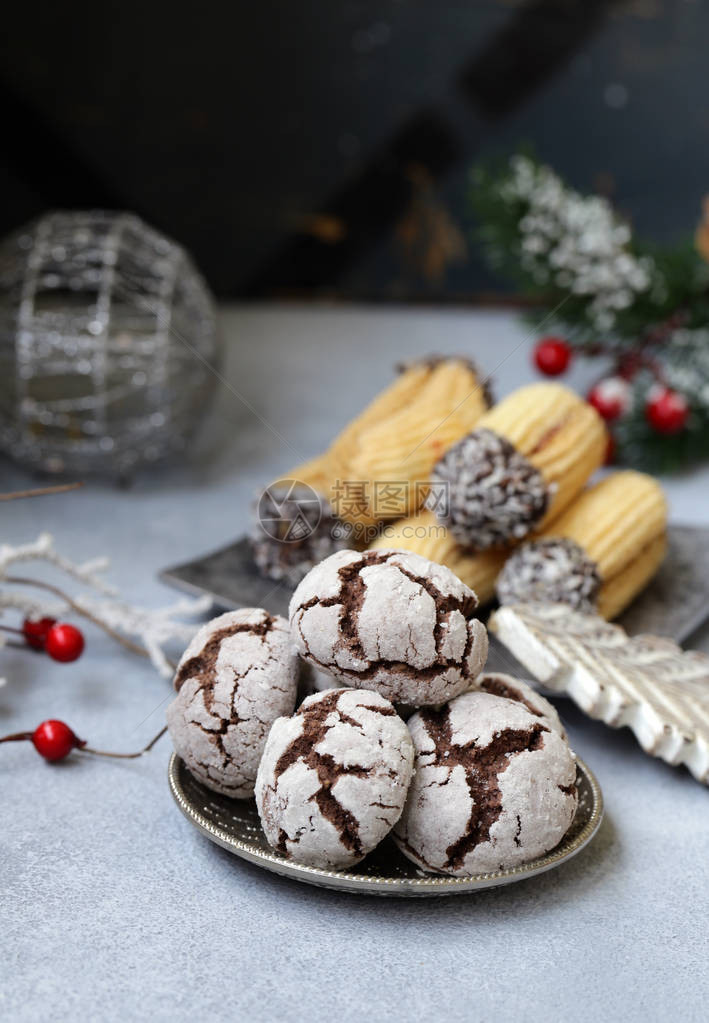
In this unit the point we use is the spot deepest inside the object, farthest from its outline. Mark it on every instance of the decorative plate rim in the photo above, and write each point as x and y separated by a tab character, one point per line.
367	884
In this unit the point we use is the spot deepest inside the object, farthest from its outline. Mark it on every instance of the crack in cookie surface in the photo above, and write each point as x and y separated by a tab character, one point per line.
242	676
482	766
334	777
315	728
351	597
203	666
497	685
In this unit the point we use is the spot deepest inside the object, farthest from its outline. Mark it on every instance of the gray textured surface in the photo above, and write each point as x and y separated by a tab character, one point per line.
114	908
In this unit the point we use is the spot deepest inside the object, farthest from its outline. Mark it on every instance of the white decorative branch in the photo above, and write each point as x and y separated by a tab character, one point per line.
143	631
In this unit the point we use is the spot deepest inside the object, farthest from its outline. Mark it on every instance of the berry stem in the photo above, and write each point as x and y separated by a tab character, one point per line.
75	743
123	640
125	756
9	628
60	488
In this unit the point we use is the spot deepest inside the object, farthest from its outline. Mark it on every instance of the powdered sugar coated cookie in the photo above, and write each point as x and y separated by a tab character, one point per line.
333	778
493	787
239	674
391	621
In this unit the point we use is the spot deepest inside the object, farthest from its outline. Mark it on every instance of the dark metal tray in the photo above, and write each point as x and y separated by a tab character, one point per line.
234	824
675	603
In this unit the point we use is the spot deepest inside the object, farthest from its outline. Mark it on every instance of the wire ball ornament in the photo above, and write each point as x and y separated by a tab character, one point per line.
107	339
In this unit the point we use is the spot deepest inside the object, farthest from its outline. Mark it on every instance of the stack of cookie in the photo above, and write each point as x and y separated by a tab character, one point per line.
397	440
431	467
514	518
482	778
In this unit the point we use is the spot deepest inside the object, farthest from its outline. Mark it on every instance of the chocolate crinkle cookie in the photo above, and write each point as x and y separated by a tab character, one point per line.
485	492
391	621
293	529
333	778
239	674
493	787
510	688
550	571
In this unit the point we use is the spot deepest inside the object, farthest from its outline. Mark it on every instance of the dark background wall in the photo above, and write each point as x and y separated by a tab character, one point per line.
322	147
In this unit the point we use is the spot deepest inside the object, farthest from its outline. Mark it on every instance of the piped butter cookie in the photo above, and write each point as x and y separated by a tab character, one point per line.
599	554
404	447
378	467
423	534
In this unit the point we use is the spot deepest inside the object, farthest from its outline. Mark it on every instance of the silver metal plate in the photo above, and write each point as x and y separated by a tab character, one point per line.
675	603
234	824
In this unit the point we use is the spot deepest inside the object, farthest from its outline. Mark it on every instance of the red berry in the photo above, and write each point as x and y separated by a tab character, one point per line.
64	642
610	398
35	632
54	740
666	411
552	355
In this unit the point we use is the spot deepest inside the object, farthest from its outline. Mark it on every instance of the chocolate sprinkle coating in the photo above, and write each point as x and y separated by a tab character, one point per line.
550	571
495	495
305	532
